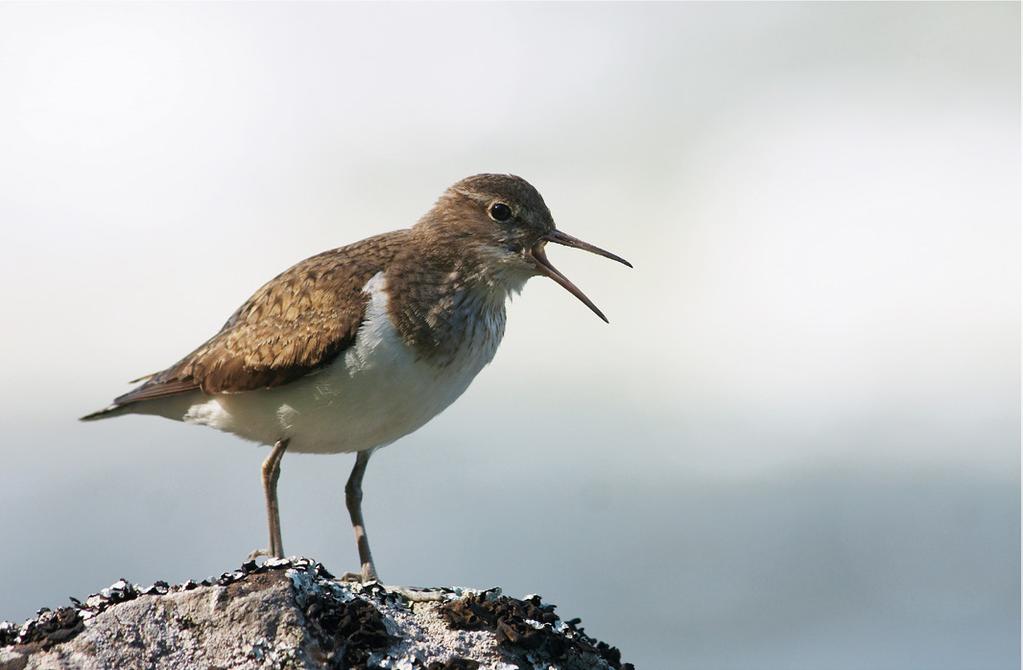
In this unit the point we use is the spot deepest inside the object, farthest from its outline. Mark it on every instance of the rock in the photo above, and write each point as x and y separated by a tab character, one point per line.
292	613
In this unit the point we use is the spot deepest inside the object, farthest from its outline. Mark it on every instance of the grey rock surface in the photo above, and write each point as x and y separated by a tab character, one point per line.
291	613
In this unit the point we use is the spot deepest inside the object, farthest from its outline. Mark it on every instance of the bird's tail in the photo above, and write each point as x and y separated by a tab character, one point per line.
105	413
116	408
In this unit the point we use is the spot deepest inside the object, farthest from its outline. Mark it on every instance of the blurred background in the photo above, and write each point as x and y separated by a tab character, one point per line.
797	443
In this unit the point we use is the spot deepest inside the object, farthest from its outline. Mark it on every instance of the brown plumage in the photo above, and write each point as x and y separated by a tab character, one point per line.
296	323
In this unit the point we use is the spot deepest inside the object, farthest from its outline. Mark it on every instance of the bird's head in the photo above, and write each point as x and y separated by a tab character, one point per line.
502	221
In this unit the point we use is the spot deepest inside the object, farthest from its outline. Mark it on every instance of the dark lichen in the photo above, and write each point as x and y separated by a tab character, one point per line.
512	621
48	628
347	633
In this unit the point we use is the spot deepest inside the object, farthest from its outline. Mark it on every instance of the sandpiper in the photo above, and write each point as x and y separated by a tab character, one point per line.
353	348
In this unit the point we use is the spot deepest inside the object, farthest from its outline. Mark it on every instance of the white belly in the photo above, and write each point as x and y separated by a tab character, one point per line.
375	393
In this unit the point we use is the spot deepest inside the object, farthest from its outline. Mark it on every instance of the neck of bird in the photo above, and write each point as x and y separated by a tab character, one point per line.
446	304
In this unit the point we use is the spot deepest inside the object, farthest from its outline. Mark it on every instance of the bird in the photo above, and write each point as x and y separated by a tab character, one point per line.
353	348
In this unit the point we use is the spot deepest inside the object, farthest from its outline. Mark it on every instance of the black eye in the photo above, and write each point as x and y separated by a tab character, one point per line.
500	212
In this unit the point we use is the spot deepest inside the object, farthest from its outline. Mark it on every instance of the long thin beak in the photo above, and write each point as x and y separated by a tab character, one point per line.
545	267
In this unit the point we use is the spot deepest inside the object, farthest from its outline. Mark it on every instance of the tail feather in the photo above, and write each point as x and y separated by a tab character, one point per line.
105	413
133	400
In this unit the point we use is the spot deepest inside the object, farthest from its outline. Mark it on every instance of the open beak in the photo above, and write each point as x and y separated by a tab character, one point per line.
539	257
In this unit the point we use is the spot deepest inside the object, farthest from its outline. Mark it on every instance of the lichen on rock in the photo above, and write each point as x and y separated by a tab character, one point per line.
292	613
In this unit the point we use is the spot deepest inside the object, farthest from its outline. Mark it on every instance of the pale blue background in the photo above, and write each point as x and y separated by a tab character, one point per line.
795	446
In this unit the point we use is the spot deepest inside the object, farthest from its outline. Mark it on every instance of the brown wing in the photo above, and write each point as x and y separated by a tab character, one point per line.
295	324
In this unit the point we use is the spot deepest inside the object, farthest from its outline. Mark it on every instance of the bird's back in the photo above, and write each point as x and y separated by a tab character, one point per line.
294	325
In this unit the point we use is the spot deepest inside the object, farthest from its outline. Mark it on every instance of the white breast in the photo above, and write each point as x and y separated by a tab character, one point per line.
377	392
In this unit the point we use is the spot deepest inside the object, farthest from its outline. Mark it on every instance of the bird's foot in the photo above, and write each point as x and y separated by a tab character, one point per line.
368	574
414	594
257	553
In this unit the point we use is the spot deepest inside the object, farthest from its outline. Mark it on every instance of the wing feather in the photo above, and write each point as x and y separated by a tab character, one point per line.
295	324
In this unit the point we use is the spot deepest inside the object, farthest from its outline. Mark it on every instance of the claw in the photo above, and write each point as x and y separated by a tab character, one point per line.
257	553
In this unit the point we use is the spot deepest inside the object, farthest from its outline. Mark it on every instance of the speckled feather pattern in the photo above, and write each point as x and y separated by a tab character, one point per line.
437	307
295	324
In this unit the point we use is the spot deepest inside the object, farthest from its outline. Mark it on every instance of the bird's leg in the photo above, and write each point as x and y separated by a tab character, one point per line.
353	498
271	473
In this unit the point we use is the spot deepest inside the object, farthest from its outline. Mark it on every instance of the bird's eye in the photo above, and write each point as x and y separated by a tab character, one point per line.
500	212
